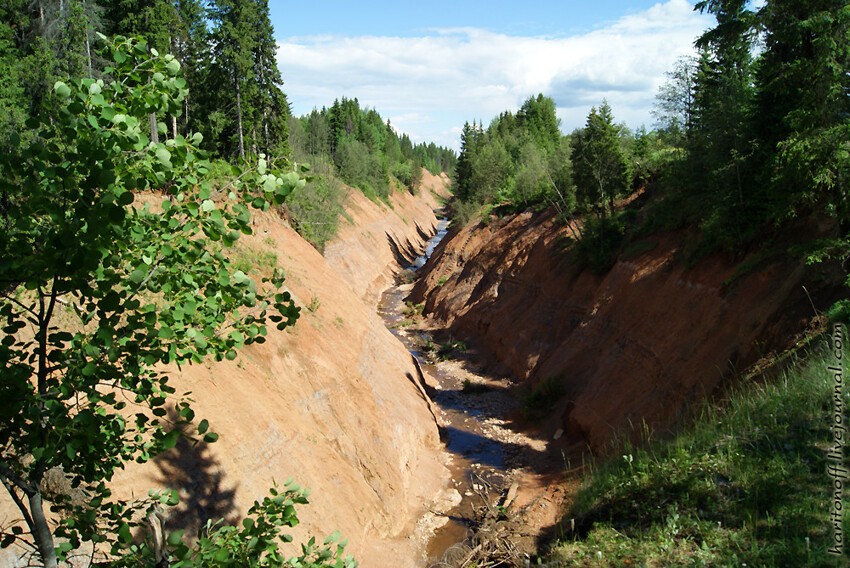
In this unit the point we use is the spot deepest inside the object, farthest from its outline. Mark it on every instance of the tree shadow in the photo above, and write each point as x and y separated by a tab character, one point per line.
192	469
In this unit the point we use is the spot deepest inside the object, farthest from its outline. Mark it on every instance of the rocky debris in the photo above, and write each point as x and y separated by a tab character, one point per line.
495	461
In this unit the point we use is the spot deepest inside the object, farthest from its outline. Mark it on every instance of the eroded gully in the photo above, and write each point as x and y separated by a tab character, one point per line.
488	455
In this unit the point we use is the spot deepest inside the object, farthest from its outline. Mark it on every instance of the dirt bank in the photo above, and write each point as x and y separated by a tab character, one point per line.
331	402
639	344
374	241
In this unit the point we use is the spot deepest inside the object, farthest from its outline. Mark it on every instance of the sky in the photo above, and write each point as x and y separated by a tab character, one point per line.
431	66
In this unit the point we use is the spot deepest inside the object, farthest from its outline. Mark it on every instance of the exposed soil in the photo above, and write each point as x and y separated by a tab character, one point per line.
332	402
635	348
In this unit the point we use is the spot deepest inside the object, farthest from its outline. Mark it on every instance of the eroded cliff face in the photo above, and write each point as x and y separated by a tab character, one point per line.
640	344
331	402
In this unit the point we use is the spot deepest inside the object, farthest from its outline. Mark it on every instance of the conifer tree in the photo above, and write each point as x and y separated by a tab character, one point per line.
600	168
803	103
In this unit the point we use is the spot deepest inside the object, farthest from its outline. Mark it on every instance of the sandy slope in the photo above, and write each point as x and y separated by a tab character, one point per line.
330	403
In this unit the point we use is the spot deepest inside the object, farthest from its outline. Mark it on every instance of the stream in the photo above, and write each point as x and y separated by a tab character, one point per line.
477	410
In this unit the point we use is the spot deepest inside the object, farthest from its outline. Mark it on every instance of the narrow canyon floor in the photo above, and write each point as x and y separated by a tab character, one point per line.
510	488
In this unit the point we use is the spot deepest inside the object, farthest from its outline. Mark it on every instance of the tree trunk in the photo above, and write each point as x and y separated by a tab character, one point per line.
41	531
88	55
266	132
239	122
154	132
186	114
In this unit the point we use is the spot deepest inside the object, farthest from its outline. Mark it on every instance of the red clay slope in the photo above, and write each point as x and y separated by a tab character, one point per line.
642	343
329	402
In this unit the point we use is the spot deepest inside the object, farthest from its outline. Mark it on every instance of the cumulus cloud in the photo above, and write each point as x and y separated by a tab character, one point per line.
428	86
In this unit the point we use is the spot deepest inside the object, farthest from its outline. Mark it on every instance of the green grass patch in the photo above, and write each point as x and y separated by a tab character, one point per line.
315	209
253	261
753	263
542	398
470	387
452	349
746	485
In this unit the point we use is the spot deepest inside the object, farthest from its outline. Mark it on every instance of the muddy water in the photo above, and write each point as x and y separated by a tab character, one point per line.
473	408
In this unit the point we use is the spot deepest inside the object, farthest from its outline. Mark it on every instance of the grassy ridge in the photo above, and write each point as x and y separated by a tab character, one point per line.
747	485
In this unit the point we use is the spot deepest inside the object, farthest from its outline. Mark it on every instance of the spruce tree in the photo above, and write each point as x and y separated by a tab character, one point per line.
803	103
600	167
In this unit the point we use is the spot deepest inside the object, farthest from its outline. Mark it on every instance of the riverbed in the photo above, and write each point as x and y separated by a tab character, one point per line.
479	411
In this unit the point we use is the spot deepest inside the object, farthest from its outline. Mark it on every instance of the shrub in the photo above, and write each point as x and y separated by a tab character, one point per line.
314	210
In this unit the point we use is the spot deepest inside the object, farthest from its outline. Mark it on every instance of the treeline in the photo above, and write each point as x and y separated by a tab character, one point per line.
763	118
225	48
355	145
523	161
226	53
752	133
364	149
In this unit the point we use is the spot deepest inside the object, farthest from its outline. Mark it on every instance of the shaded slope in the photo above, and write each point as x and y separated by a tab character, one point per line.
638	344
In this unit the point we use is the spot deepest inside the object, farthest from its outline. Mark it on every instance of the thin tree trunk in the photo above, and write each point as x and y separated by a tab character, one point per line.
88	55
239	122
266	131
173	127
154	132
41	530
186	114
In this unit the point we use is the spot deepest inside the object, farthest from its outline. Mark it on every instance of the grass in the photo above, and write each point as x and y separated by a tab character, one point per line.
412	310
470	387
253	261
637	248
452	349
542	398
746	485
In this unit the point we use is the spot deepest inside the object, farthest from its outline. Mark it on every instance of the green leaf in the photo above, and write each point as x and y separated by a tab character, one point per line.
203	426
61	89
126	198
173	67
164	157
124	534
175	537
211	437
170	439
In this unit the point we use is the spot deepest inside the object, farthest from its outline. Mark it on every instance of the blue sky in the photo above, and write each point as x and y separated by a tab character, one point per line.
431	66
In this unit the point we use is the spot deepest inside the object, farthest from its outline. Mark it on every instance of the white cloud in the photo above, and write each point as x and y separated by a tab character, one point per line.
429	85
